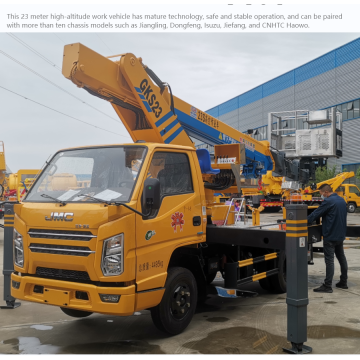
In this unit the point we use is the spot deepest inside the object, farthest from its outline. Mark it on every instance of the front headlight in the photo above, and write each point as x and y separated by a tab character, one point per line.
18	249
113	255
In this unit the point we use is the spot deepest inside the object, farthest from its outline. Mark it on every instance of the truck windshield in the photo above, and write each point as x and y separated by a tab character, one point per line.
106	173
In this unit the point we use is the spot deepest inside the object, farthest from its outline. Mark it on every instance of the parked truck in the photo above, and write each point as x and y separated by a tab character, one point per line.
268	193
141	237
351	194
18	184
271	193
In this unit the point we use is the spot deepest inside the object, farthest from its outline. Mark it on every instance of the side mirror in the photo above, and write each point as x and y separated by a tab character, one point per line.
151	194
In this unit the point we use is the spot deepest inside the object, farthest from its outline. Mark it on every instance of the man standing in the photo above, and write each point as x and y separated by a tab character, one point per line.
333	212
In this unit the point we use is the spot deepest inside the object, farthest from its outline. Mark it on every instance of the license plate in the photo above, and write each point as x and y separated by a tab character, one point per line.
56	297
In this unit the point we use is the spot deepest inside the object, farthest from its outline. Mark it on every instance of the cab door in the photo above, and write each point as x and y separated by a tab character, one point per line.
178	222
354	194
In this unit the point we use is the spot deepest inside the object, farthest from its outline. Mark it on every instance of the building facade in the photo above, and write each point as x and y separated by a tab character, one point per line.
329	80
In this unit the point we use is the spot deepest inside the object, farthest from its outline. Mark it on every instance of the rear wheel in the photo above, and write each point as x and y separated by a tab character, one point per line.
351	207
178	304
278	281
75	313
265	284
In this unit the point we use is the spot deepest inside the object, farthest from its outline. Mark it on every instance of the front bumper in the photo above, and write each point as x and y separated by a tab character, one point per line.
63	292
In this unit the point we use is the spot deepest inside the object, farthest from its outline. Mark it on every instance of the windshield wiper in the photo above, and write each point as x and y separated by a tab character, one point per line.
116	203
94	198
63	203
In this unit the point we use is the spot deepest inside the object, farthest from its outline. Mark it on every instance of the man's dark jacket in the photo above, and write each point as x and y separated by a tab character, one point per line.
333	211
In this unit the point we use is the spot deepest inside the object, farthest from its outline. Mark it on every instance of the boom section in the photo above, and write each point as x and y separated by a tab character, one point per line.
141	105
334	182
212	131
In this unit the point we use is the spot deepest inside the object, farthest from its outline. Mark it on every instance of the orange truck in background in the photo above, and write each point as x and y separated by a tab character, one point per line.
18	184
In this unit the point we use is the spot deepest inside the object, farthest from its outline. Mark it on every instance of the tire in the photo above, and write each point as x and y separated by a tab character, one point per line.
278	281
351	208
173	315
75	313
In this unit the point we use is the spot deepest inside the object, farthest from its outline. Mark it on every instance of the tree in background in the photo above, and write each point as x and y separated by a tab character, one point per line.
357	175
325	173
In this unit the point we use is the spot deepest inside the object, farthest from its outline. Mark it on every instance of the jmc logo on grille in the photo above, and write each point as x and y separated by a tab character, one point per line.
60	217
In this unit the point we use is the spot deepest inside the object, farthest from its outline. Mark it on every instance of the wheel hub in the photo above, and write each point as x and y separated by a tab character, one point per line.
180	304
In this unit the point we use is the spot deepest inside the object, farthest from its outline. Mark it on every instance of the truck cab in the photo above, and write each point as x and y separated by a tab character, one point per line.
351	194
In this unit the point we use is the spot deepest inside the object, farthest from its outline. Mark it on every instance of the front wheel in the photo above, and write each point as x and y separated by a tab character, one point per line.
178	304
75	313
265	284
351	207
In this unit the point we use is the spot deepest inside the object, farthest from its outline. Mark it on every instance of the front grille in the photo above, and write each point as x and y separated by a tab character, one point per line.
61	234
61	249
62	274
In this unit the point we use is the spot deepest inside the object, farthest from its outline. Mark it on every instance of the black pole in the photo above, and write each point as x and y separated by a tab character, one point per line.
297	277
8	265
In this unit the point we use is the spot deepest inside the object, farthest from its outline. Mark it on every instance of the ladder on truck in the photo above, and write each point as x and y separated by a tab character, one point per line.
237	213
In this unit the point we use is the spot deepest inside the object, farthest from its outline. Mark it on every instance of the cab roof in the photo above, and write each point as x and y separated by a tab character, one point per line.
149	145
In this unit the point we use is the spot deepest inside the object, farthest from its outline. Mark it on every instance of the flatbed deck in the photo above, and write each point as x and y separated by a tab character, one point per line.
249	236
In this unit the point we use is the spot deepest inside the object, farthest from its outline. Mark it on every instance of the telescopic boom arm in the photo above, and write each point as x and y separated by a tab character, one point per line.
150	112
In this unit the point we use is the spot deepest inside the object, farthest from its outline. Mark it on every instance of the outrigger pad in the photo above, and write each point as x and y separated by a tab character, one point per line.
298	349
10	305
205	162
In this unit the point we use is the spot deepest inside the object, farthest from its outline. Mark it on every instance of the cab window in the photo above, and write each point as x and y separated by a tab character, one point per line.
354	190
173	172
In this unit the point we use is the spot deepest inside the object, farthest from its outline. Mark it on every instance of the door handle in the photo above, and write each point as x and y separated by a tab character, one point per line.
197	220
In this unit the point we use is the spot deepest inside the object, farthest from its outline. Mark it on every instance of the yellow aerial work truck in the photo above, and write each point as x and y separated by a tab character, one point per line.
351	194
273	196
140	235
347	191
